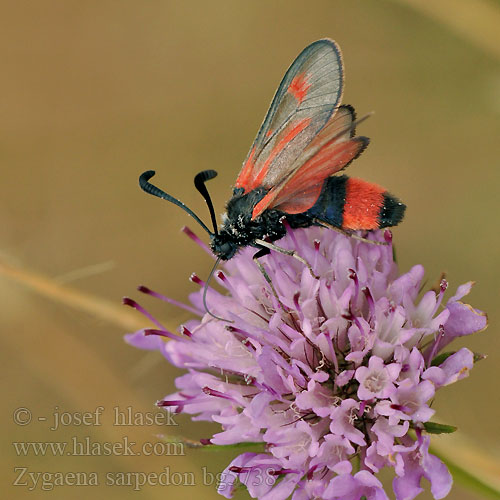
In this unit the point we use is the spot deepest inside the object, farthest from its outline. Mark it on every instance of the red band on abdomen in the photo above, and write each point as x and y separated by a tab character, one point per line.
363	202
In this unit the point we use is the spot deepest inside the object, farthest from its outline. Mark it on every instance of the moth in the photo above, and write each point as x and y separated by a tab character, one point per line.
307	137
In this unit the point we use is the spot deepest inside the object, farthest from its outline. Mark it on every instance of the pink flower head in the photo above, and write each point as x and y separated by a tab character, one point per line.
377	379
331	373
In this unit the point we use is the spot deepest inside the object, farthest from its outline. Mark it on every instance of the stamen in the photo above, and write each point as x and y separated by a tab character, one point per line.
443	286
435	344
388	236
282	472
351	317
290	232
362	406
163	333
316	244
180	403
218	394
186	332
354	277
402	408
164	298
127	301
226	283
333	356
221	276
191	234
297	306
369	300
310	472
239	470
195	279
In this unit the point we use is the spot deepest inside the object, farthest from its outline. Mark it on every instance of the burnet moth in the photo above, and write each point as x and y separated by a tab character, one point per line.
306	138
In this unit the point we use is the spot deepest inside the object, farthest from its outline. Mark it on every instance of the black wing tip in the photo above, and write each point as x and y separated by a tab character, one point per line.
350	109
365	141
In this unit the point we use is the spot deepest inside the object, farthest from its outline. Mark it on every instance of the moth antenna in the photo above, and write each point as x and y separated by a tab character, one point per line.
199	182
205	289
152	189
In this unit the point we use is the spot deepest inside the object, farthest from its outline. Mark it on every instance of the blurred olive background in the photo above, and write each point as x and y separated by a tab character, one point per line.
93	93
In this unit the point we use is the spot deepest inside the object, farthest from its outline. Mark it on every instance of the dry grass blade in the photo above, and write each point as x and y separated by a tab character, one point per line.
68	296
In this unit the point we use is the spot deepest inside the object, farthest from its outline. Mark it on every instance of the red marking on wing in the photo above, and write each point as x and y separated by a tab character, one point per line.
292	131
244	178
301	191
317	71
363	202
299	87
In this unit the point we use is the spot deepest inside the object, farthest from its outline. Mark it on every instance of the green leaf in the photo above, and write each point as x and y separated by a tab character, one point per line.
435	428
189	443
250	446
479	357
441	358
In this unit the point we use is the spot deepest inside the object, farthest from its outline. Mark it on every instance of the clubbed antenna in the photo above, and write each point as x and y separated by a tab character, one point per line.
199	182
152	189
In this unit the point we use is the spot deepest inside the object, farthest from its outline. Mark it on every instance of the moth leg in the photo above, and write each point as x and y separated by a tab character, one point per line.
265	251
350	235
291	253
